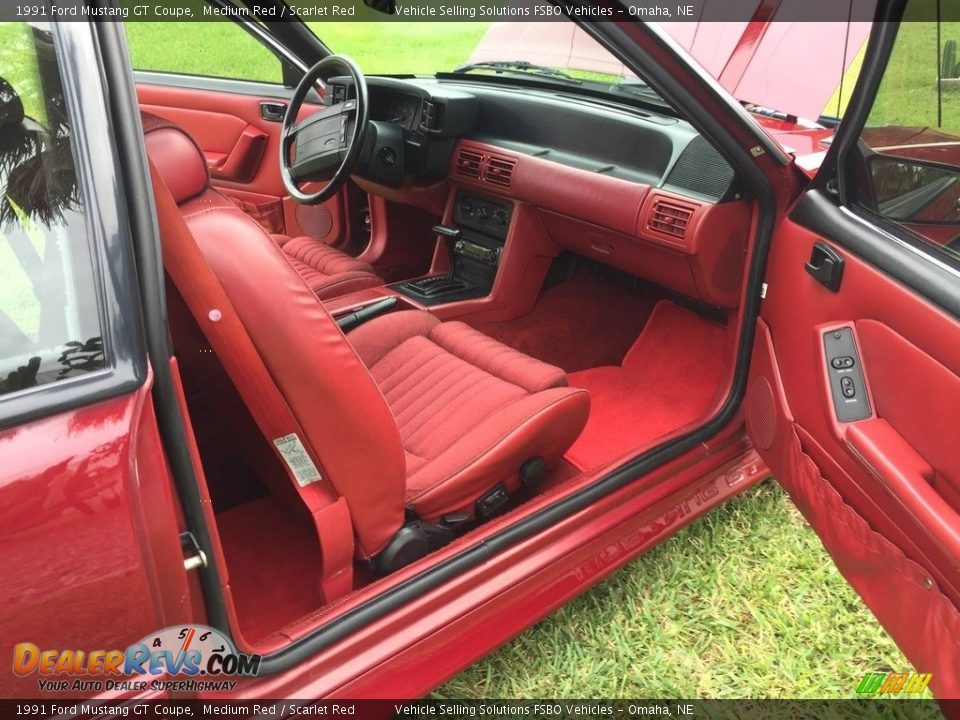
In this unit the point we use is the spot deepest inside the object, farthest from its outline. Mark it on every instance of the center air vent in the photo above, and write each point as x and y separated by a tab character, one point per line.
499	171
468	163
670	219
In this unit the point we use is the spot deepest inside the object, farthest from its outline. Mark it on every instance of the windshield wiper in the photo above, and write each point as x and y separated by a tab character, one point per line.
519	67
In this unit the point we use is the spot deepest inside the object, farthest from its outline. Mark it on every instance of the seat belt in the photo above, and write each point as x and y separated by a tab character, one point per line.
228	338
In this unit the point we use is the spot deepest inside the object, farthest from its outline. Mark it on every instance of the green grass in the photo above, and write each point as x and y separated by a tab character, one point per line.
743	603
379	47
908	94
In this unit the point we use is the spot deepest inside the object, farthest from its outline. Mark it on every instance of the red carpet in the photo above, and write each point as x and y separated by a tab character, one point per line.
668	379
274	563
585	322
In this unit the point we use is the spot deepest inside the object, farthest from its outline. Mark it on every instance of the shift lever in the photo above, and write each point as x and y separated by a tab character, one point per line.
450	236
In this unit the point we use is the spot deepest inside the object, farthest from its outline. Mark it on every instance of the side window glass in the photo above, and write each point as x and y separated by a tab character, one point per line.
911	142
220	49
50	328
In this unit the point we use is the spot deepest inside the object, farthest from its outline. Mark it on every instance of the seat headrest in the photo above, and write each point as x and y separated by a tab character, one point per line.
177	157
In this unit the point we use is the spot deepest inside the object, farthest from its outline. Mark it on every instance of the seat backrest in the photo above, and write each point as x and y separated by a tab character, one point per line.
343	416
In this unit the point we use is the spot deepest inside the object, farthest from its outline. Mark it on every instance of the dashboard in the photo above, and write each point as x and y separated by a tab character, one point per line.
632	188
589	134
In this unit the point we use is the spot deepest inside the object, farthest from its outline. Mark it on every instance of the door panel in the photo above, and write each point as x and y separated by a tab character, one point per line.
242	151
882	490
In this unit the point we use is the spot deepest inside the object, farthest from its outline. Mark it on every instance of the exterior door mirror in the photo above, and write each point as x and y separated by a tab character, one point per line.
915	192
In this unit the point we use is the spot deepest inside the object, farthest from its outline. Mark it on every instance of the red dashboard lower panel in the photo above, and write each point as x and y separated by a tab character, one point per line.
691	246
601	199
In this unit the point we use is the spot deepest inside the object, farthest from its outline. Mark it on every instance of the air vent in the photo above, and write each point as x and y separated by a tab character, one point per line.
468	163
429	118
499	171
670	219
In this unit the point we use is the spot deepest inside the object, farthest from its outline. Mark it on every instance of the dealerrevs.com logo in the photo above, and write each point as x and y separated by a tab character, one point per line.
199	657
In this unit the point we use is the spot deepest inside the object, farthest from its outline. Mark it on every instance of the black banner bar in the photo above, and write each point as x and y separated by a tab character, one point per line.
470	10
906	709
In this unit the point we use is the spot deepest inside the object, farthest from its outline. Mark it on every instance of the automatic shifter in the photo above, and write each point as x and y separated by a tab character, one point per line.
442	284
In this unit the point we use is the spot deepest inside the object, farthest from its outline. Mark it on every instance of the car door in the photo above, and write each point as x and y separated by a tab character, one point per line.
90	549
228	91
854	391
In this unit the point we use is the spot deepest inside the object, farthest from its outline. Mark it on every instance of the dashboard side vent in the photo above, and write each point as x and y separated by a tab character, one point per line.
499	171
429	115
468	163
670	219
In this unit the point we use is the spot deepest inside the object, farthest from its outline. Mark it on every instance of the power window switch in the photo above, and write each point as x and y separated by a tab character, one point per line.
847	387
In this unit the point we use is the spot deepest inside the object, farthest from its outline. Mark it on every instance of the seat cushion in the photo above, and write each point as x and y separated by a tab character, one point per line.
470	410
329	272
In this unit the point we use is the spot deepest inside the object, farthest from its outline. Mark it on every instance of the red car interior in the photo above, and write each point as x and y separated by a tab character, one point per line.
464	415
437	372
618	291
328	271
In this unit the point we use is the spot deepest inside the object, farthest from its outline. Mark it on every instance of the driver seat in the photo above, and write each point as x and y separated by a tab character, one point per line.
329	272
401	432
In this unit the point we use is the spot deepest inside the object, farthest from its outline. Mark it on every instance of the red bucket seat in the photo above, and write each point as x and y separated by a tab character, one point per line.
328	271
406	416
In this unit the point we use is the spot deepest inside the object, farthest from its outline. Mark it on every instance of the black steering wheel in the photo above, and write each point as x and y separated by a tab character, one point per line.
326	146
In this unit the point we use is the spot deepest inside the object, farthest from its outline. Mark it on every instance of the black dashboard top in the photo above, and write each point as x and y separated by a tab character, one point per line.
587	133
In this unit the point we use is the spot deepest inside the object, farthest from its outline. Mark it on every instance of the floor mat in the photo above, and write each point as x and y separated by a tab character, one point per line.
585	322
274	564
668	379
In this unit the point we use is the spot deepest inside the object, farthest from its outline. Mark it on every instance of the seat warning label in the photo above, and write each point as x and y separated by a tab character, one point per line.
298	460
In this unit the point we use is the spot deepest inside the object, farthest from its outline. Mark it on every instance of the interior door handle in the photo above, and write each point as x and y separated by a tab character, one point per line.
273	111
241	164
825	266
907	477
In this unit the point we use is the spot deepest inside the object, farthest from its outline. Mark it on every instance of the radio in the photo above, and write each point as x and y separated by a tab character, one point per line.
477	252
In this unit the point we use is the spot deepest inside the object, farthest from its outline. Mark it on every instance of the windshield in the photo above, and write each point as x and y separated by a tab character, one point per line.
405	47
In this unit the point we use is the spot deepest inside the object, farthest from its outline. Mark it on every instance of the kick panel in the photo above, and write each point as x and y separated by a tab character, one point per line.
847	386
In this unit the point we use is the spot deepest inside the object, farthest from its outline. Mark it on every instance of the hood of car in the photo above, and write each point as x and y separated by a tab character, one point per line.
767	64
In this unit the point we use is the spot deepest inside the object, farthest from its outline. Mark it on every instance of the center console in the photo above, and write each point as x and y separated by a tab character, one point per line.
474	243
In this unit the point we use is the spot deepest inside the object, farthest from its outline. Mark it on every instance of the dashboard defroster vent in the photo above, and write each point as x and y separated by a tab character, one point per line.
499	171
468	163
670	219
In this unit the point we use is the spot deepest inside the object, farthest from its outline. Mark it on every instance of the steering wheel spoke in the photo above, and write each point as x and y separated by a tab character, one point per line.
290	133
325	146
